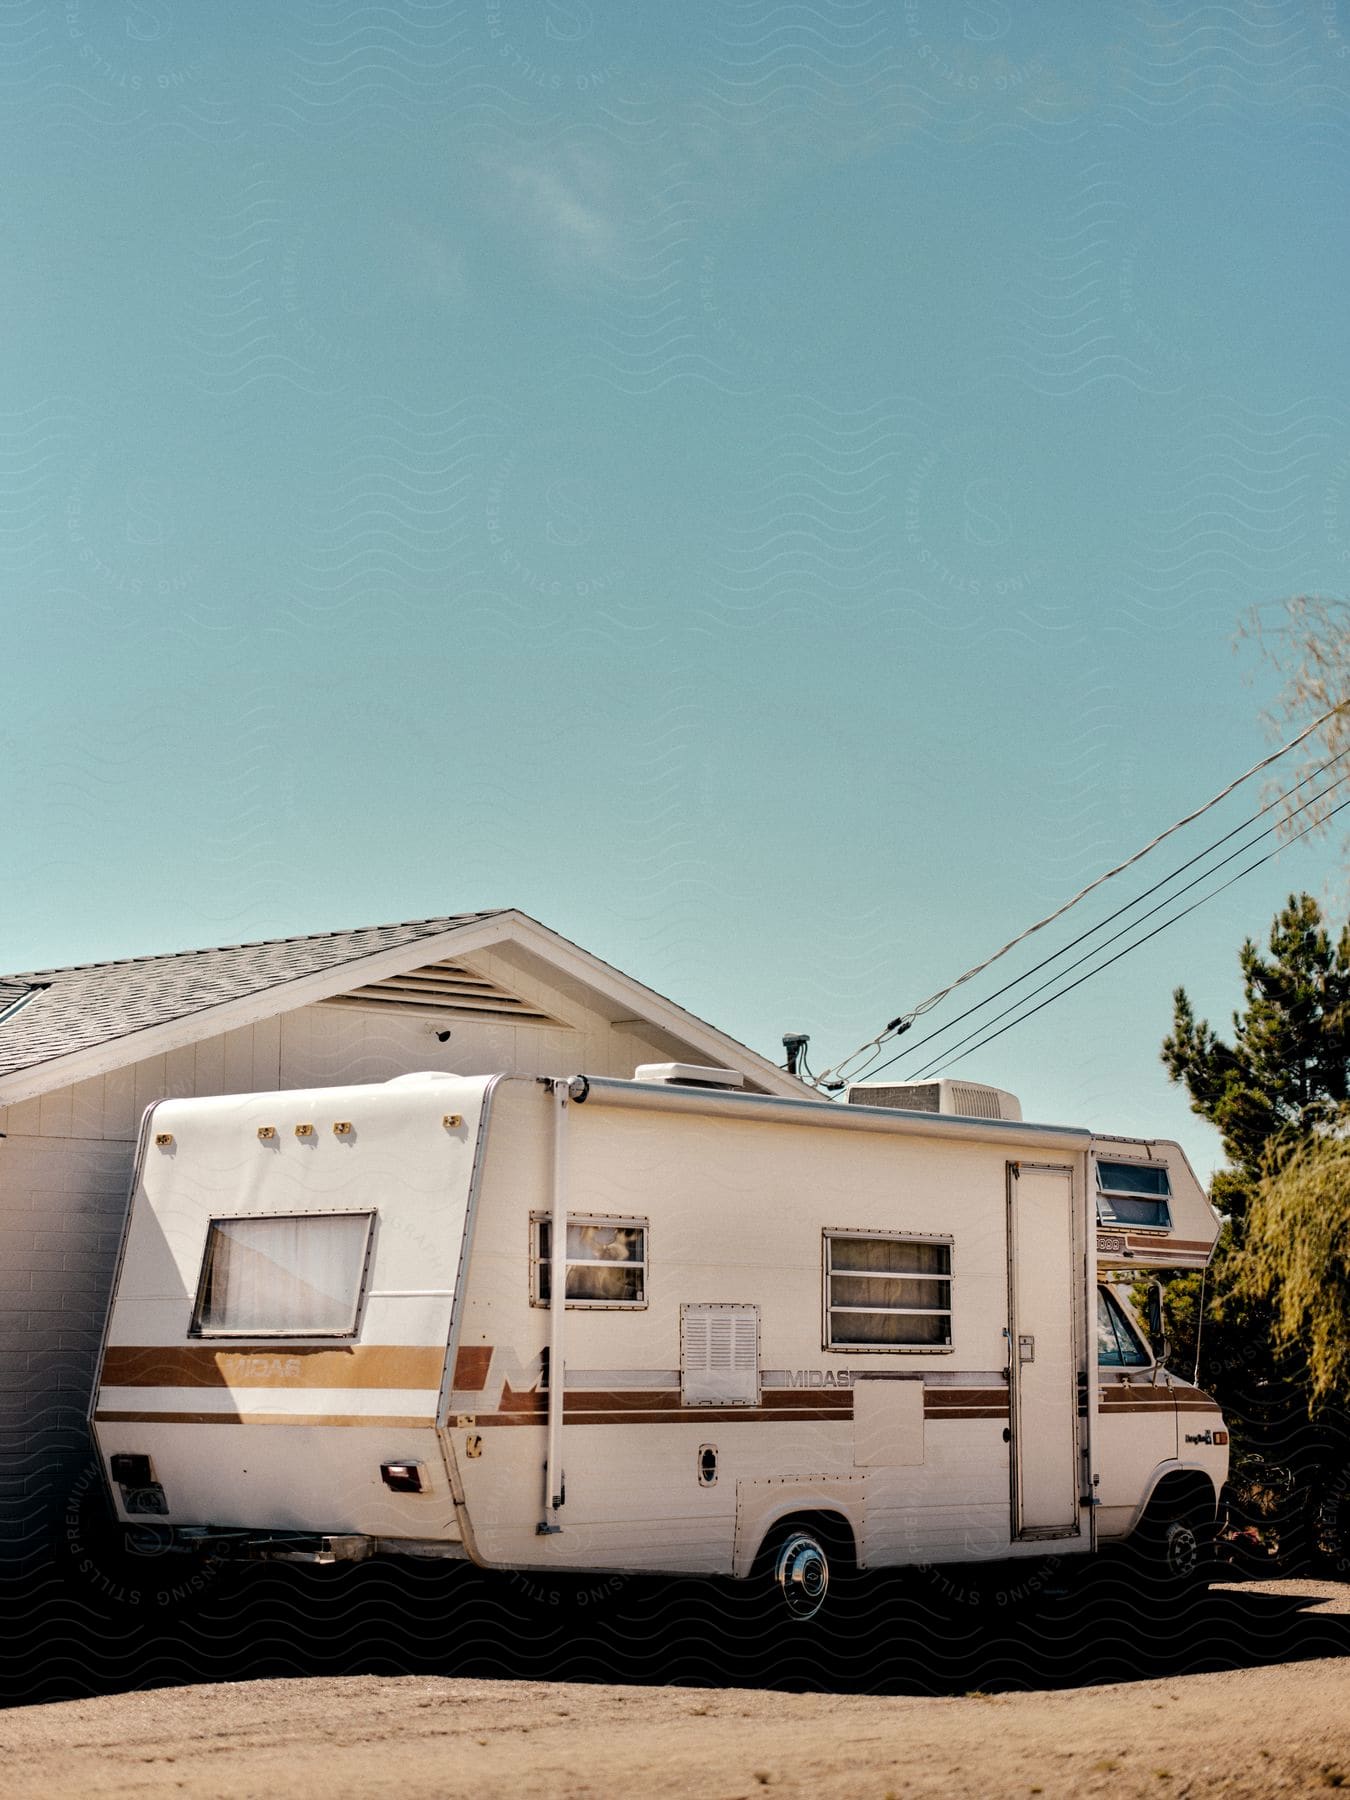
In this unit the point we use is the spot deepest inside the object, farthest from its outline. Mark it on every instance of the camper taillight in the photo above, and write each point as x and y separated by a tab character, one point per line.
135	1476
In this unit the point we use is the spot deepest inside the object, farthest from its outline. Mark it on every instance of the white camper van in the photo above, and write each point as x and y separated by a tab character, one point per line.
796	1334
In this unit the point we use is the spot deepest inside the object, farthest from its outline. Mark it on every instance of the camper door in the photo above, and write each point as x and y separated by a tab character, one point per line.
1044	1352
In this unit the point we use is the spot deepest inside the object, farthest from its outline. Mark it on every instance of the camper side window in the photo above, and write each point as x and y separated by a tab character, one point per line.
606	1261
883	1293
296	1274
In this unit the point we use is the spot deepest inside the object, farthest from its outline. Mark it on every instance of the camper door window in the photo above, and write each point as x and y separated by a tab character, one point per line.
606	1261
288	1275
1134	1194
887	1293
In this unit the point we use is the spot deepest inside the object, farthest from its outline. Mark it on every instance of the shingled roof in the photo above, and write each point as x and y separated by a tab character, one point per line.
47	1013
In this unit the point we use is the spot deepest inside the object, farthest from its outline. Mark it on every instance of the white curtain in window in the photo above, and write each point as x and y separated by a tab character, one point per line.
291	1274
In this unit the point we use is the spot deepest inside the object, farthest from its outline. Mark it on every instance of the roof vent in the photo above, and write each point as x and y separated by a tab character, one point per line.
964	1099
450	989
687	1075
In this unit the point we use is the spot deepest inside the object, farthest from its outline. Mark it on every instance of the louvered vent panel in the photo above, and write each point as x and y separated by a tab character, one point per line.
445	989
975	1102
720	1355
913	1096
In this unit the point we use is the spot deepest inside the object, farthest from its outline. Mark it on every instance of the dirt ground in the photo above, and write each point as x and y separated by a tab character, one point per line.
1275	1729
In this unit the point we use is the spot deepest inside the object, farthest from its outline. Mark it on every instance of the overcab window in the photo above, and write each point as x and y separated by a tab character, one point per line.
1133	1194
606	1261
296	1274
885	1292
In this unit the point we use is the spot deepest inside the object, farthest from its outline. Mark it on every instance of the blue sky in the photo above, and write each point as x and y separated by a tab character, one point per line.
769	490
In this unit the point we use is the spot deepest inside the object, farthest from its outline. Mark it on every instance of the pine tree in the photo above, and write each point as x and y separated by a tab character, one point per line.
1280	1081
1284	1075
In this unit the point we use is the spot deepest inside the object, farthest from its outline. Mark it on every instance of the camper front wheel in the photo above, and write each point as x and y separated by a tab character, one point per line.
1180	1552
1174	1546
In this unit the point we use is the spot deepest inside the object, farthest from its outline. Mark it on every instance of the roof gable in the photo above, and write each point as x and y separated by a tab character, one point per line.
84	1021
98	1003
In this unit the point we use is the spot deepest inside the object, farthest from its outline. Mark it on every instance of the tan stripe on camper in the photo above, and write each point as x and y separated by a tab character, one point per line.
389	1422
270	1365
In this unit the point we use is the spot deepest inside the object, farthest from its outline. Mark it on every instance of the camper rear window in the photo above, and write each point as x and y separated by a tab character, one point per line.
1133	1194
886	1292
294	1274
606	1261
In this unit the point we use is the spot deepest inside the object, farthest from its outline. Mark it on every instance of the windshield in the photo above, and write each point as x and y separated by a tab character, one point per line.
1118	1344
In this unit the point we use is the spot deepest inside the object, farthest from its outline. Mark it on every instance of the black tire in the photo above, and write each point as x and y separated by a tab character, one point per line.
1173	1552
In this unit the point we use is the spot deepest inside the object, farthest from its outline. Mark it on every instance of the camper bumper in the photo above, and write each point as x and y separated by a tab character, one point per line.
321	1548
276	1546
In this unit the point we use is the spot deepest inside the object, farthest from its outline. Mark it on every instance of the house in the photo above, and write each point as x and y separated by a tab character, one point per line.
83	1052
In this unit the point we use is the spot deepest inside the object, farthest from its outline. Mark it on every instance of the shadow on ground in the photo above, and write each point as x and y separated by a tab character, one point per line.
150	1622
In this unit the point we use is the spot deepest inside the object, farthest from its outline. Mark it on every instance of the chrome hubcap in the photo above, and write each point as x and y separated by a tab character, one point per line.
1183	1551
802	1574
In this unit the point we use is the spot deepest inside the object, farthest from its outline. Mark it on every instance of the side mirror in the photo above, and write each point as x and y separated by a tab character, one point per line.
1157	1330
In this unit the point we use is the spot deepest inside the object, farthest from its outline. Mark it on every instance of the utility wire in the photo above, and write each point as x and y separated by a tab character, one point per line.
1123	932
1138	941
905	1020
1044	963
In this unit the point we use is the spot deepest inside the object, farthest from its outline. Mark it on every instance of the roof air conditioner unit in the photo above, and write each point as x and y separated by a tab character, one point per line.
965	1099
676	1074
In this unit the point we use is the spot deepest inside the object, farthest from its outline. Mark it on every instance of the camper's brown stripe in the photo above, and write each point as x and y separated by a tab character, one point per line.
686	1415
965	1412
272	1365
726	1415
472	1362
1165	1244
643	1405
390	1421
659	1406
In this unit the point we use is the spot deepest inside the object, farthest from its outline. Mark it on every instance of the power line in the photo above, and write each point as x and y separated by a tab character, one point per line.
1176	917
1125	930
903	1022
1129	906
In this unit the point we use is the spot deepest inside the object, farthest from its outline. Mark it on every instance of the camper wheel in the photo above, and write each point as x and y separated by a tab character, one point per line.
1174	1543
801	1559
